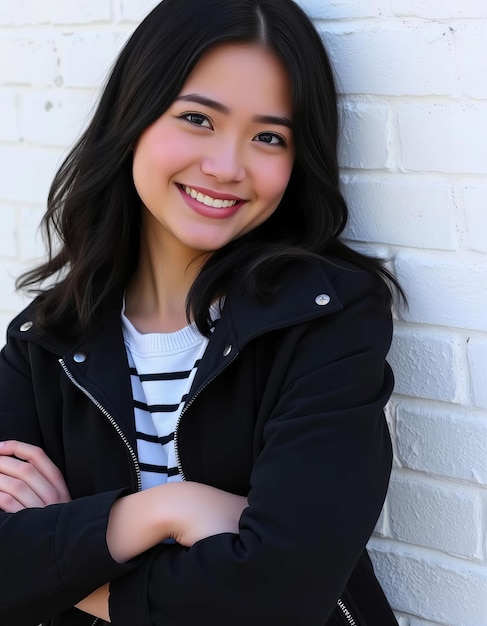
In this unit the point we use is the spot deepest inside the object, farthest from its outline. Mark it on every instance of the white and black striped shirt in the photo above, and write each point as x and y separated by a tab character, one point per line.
162	369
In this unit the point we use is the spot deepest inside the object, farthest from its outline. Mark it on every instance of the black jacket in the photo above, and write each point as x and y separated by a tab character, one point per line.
286	408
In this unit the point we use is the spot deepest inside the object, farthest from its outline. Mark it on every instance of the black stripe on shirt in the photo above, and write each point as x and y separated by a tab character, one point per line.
155	438
156	408
159	469
164	375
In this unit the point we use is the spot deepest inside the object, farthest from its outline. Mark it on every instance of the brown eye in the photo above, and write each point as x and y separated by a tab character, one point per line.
271	139
197	119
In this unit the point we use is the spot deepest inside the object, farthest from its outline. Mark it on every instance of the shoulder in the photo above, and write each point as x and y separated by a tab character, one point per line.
24	320
26	327
15	353
356	310
340	281
24	335
354	329
352	282
327	292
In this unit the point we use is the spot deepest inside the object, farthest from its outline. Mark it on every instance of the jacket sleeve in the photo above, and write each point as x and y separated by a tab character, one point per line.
51	557
317	489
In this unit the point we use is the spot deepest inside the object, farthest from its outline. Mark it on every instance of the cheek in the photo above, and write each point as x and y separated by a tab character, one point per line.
275	178
162	150
143	161
174	149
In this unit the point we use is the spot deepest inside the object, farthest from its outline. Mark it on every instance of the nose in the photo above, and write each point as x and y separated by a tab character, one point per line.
224	162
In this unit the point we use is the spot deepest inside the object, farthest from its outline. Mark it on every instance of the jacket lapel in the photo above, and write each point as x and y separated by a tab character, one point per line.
99	365
304	293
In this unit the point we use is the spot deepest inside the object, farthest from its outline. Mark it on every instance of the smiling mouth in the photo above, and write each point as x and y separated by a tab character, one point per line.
216	203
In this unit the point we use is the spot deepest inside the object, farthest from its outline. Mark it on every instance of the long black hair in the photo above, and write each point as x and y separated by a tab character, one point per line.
92	222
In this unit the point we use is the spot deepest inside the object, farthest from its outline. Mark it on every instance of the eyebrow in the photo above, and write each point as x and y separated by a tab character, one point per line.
218	106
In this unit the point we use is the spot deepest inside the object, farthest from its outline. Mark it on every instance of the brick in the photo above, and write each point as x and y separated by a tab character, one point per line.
9	123
448	138
444	289
422	622
23	12
135	10
431	585
10	300
425	363
86	12
475	198
27	12
27	173
435	514
364	141
445	9
471	38
8	232
440	440
31	242
400	210
382	528
32	60
372	60
477	355
88	56
54	117
342	9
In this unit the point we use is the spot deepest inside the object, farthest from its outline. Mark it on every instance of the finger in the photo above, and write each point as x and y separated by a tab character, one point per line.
16	488
26	483
38	459
9	504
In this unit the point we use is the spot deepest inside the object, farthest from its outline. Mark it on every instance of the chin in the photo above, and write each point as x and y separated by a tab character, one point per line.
205	246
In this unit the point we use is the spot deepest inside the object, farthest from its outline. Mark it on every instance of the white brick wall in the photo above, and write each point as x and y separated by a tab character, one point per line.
413	93
475	198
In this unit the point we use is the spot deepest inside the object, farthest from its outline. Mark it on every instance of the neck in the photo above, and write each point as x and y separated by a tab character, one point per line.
155	299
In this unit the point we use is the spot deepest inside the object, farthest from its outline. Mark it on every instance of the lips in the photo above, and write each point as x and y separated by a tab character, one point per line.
210	203
216	203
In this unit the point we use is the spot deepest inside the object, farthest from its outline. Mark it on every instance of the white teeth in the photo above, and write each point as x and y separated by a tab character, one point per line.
216	203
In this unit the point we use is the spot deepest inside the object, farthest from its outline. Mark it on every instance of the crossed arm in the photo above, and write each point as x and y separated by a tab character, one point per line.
183	511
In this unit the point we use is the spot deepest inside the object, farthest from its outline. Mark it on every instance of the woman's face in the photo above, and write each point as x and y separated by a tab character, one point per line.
217	163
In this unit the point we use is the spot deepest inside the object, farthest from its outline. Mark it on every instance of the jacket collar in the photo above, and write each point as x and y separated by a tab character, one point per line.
304	292
97	361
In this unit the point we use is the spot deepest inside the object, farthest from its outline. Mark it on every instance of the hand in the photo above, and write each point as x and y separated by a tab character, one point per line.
200	511
184	511
28	478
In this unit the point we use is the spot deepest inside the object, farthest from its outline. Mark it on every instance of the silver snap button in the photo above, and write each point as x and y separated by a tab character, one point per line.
227	350
79	357
26	326
323	299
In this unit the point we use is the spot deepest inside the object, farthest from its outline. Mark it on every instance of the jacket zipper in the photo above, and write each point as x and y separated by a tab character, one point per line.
115	426
110	419
185	408
348	616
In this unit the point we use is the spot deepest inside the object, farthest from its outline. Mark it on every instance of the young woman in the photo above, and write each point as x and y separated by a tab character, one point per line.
192	413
